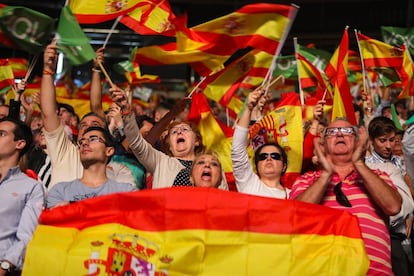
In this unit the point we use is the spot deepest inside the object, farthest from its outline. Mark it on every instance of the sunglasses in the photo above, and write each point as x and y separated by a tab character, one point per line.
333	131
273	155
340	196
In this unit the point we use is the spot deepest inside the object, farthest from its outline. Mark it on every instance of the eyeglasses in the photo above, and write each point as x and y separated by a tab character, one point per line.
182	129
273	155
333	131
91	139
340	196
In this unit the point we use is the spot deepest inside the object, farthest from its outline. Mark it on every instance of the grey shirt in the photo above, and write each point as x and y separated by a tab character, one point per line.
21	201
75	190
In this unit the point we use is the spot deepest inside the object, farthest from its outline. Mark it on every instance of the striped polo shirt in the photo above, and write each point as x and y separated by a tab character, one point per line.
372	221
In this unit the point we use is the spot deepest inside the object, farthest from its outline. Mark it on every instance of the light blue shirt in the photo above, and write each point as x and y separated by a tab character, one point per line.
22	199
75	190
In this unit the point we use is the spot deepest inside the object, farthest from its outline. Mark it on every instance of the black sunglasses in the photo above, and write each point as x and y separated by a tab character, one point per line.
273	155
340	196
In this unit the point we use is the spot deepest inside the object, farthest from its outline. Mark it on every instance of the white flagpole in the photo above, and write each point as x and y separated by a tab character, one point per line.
111	30
301	96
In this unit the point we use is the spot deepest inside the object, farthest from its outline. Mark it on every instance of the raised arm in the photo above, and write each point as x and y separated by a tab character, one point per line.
96	87
50	118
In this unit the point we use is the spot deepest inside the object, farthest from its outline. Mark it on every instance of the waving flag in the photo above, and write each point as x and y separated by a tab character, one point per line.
168	54
336	71
72	41
132	73
19	66
151	18
195	231
222	86
311	64
376	53
283	125
259	25
398	36
27	29
6	76
407	76
98	11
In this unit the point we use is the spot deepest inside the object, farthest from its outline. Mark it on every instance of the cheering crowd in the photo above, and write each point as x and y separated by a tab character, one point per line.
53	160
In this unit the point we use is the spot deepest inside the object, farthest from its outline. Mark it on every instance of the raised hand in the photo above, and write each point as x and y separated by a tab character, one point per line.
50	57
254	98
318	110
120	97
324	160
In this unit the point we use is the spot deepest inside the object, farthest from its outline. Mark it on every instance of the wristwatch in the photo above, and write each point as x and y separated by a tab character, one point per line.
5	266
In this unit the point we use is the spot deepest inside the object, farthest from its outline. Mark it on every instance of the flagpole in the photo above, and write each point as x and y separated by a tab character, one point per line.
365	77
106	74
31	67
196	87
111	30
301	96
291	16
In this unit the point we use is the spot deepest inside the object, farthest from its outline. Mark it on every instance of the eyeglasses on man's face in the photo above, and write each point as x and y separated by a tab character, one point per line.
273	155
90	140
333	131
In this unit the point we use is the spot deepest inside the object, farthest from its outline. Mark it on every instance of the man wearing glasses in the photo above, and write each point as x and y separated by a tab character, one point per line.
345	182
95	149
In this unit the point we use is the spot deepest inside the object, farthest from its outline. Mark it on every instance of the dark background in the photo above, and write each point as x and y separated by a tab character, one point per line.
320	22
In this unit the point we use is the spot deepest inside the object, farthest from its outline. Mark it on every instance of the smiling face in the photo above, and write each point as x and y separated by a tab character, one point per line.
182	141
339	138
206	171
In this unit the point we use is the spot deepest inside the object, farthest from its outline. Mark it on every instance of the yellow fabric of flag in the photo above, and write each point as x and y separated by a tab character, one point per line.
195	231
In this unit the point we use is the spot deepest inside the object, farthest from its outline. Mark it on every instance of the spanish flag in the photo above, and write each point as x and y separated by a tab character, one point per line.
6	75
98	11
259	25
337	70
195	231
151	18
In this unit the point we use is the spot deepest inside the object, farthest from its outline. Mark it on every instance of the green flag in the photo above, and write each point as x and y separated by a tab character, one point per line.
398	36
318	58
395	118
123	67
72	41
27	29
286	66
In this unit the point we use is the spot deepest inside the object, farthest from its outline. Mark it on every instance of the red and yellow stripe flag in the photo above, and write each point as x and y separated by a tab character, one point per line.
336	71
6	75
195	231
97	11
151	19
283	125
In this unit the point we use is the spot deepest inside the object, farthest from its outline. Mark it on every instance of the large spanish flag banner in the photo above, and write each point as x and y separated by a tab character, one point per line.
283	125
195	231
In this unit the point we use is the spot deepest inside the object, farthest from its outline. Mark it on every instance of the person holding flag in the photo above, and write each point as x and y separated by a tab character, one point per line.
270	159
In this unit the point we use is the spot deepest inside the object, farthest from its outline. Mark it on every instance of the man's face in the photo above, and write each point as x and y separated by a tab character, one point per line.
88	122
8	147
340	138
64	115
93	149
384	144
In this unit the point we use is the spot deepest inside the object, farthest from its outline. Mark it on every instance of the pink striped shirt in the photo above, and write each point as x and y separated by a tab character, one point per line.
371	219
